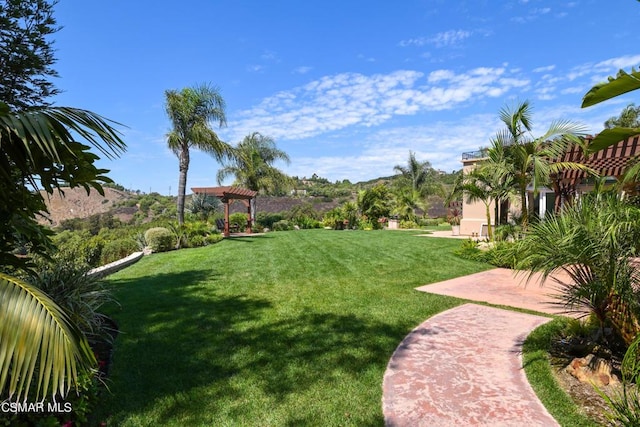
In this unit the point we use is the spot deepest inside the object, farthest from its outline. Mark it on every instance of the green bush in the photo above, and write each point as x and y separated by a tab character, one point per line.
80	295
306	222
267	219
196	241
239	219
117	249
159	239
408	224
213	238
80	246
500	254
430	222
282	225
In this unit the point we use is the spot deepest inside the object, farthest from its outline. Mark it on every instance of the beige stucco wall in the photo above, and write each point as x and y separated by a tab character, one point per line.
473	214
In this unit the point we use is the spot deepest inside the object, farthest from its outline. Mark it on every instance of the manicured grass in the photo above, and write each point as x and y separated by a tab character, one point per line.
538	370
289	328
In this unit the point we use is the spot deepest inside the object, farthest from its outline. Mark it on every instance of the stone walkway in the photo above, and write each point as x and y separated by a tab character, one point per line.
464	366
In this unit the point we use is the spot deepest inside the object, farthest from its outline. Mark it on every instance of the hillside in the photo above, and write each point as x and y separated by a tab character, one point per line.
75	203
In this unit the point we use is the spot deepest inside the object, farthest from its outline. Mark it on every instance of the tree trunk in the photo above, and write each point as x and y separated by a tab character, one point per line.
182	182
489	230
523	208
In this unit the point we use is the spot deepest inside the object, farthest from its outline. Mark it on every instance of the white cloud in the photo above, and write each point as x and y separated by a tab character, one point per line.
302	70
443	39
335	102
255	68
349	109
622	62
544	69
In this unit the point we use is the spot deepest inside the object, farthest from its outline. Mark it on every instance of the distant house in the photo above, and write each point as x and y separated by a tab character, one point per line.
565	186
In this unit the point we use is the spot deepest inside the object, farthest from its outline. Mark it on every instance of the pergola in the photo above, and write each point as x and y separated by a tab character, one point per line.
228	195
610	162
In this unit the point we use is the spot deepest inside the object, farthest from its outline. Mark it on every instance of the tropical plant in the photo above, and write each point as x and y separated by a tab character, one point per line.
406	201
590	244
190	111
622	83
487	183
375	203
203	205
39	343
253	167
629	118
419	176
624	401
79	294
534	159
40	150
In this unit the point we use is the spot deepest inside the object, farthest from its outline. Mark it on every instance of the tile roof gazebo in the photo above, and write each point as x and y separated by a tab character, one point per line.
228	195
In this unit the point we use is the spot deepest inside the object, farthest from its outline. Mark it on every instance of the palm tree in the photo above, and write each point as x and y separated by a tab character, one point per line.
252	164
420	175
487	183
406	201
191	110
38	342
592	242
534	158
374	204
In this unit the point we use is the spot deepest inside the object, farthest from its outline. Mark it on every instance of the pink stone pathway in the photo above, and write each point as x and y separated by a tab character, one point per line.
501	287
464	366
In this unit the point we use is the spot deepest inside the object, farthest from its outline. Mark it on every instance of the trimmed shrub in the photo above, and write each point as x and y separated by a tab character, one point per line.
196	241
159	239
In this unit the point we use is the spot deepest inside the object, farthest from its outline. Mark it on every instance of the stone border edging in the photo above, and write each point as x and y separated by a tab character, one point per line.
118	265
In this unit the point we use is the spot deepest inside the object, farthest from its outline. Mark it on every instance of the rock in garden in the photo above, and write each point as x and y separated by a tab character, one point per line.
592	369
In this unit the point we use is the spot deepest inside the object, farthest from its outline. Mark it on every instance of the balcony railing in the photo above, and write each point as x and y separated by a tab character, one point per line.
473	155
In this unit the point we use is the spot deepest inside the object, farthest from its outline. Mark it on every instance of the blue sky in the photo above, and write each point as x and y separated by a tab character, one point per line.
345	87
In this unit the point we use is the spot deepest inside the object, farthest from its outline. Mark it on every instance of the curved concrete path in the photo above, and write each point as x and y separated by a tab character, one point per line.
464	366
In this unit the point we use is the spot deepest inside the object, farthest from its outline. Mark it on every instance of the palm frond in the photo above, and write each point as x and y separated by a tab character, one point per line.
37	343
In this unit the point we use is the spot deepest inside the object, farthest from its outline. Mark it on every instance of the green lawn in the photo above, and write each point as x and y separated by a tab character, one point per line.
289	328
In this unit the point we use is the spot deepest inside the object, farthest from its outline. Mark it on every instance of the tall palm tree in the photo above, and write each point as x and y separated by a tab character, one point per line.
191	110
534	158
420	175
40	348
252	164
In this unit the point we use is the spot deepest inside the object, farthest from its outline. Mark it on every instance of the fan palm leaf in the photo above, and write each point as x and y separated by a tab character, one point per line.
39	346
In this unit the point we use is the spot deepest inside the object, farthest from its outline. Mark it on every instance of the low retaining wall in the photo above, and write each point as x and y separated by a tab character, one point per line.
112	267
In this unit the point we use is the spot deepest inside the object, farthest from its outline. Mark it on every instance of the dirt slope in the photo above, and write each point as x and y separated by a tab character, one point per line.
75	203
